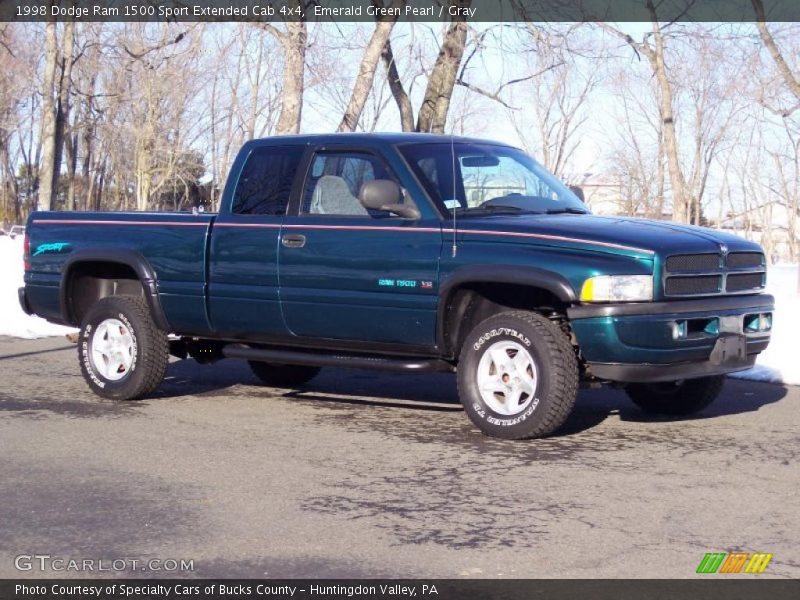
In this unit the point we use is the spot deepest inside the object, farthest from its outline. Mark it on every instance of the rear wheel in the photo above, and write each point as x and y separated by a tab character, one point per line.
517	376
279	375
683	397
123	355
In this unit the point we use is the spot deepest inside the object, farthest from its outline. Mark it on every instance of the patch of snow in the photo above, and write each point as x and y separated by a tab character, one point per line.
779	363
13	321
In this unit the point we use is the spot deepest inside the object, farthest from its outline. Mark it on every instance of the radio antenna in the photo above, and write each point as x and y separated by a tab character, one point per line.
455	200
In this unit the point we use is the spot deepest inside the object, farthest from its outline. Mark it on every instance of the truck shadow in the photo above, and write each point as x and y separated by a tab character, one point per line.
36	352
738	396
188	377
435	393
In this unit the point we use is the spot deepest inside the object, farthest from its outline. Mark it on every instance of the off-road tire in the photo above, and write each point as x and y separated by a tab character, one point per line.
150	348
556	386
676	398
278	375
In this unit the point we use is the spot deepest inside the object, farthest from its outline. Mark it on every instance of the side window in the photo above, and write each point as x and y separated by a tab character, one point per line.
334	181
265	184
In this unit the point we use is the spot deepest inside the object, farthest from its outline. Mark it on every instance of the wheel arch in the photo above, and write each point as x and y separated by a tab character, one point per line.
473	293
104	272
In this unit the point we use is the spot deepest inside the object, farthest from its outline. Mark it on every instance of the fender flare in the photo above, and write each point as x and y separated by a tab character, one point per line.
554	283
130	258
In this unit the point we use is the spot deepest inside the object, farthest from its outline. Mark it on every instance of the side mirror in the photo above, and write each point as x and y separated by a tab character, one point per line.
578	191
384	194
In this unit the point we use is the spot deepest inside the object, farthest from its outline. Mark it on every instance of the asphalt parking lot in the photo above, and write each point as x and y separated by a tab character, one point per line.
363	474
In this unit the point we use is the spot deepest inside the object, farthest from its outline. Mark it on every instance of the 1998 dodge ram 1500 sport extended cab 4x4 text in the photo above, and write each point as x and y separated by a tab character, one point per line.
406	252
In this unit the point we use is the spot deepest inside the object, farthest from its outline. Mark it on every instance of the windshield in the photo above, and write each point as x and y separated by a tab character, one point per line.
488	178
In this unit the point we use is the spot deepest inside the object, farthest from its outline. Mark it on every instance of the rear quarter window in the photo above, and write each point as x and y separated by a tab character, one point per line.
265	184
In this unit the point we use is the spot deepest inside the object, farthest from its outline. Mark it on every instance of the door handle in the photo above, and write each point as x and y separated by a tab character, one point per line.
293	241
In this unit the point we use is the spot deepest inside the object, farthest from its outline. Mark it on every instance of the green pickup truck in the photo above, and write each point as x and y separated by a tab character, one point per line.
406	252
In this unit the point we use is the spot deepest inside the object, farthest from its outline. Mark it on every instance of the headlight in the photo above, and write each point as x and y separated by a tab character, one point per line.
618	288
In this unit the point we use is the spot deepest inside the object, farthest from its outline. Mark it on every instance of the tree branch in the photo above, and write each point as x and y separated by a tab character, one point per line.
486	93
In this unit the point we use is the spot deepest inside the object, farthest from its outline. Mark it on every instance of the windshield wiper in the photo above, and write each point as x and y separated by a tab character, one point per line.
568	210
500	207
491	208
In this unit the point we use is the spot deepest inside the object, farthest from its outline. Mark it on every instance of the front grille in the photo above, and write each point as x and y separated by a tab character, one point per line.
688	286
738	282
693	262
744	260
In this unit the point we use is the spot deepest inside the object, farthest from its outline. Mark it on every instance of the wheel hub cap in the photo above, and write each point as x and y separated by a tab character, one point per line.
507	378
112	349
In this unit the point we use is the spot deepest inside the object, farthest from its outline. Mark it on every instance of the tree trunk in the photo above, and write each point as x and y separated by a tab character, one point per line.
294	59
255	88
397	89
679	203
71	151
47	169
63	90
366	72
660	175
436	102
786	72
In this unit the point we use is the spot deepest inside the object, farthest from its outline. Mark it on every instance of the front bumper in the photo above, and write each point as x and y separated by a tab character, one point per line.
638	341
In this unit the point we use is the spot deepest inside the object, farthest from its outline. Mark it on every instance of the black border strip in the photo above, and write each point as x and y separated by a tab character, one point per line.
507	11
707	587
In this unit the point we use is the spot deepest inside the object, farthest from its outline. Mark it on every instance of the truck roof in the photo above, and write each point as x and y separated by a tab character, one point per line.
360	137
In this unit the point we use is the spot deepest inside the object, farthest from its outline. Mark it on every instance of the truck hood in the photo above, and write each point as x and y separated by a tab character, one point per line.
610	234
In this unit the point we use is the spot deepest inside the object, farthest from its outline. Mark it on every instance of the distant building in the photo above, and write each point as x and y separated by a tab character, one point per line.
765	225
601	195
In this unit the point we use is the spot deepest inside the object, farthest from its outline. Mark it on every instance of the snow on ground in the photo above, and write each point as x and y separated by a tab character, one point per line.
777	364
13	321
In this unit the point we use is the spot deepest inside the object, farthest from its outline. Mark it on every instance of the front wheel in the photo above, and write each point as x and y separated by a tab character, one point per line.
517	376
123	355
676	398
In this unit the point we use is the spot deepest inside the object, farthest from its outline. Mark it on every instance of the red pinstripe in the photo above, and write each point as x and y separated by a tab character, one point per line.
92	222
540	236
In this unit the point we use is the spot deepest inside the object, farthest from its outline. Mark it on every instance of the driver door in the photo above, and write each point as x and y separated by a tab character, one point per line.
348	273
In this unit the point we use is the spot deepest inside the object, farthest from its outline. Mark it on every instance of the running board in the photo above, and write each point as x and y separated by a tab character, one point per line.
343	360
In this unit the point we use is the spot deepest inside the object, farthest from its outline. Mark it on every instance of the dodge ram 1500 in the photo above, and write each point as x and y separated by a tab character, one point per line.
408	252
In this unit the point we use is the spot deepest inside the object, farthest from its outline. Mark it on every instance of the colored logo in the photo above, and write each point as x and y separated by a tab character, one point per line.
406	283
735	562
54	247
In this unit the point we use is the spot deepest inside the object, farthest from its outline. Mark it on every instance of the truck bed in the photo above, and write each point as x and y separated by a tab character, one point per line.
173	244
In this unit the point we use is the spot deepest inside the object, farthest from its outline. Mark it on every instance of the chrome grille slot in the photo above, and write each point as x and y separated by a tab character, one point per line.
737	282
744	260
693	262
690	286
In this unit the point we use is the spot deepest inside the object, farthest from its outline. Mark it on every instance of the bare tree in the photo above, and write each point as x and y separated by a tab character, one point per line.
636	146
369	64
432	115
56	90
397	88
790	79
63	91
442	78
707	83
553	100
47	173
655	54
787	186
148	98
294	42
